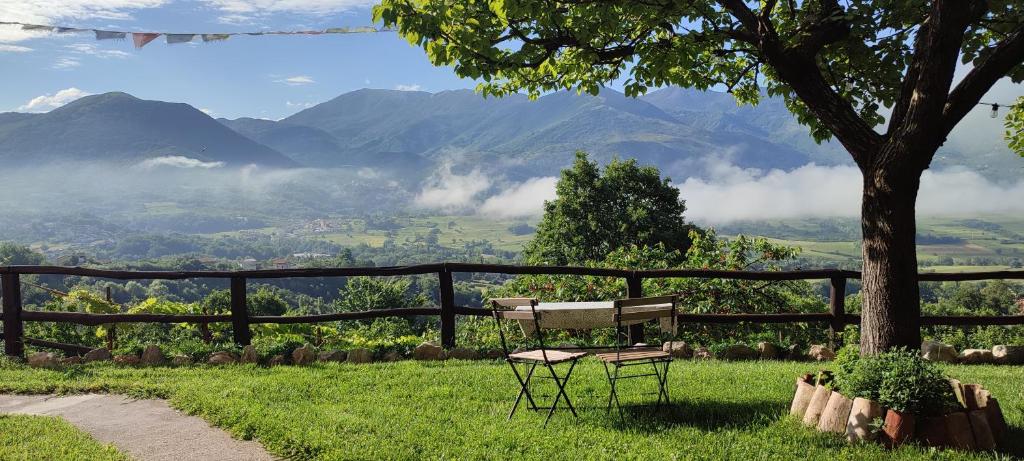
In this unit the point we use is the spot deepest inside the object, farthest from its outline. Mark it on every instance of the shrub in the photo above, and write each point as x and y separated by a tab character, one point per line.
900	380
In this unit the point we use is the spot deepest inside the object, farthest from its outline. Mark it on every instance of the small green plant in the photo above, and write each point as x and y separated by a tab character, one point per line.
900	380
912	384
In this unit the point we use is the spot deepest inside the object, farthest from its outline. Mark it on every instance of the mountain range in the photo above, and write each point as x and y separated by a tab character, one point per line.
412	133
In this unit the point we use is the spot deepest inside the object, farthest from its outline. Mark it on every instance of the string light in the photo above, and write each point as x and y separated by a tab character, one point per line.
995	108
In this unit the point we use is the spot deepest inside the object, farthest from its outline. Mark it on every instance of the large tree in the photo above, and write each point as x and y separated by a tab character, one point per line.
838	65
597	212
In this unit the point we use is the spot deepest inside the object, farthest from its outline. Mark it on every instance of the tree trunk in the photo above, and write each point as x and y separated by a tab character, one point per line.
891	307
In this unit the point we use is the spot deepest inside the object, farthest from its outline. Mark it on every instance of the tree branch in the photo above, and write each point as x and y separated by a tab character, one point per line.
1006	55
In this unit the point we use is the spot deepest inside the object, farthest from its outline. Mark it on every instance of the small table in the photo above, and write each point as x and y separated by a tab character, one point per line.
584	316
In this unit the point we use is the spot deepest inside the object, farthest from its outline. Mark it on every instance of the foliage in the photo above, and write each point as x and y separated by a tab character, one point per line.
859	50
899	379
597	211
1015	126
13	255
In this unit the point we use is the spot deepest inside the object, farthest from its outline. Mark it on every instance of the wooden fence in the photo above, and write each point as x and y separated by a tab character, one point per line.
836	318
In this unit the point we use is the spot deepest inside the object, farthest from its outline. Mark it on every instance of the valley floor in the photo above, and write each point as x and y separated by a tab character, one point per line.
457	409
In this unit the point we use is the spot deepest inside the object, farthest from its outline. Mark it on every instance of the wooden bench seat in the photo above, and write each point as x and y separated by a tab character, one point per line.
633	355
554	356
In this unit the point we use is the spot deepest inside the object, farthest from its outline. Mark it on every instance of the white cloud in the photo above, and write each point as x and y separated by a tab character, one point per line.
178	161
296	80
48	102
66	63
263	7
206	111
42	11
4	48
732	193
413	87
451	192
523	200
94	50
301	105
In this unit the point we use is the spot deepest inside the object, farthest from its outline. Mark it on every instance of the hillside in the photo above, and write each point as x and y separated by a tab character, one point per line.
121	128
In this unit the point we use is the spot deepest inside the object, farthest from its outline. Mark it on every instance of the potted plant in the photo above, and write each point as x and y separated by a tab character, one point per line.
910	388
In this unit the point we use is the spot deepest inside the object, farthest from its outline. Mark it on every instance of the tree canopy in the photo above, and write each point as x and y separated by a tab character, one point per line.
836	64
597	212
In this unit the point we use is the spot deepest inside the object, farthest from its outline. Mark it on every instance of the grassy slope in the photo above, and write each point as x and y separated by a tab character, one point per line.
410	410
39	437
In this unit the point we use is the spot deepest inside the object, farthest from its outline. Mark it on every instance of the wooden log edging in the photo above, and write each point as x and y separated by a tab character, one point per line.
978	425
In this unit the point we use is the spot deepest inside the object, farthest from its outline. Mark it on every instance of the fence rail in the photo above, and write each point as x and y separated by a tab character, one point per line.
836	318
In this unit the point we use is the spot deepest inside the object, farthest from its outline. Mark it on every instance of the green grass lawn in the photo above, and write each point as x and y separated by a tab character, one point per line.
456	410
39	437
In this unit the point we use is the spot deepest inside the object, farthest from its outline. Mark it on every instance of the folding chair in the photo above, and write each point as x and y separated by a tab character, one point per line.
531	358
631	311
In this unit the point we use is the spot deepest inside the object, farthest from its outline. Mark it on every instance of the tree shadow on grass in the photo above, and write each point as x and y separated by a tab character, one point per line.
704	415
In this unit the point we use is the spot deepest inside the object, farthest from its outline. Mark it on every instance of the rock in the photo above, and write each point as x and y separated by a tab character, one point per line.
96	355
821	353
73	360
303	355
43	360
1008	355
276	360
767	351
428	351
126	359
249	355
221	358
359	356
938	352
152	355
463	353
703	353
392	356
181	360
976	356
332	356
678	349
738	352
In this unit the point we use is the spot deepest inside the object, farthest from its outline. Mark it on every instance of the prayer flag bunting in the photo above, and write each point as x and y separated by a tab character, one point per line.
215	37
142	38
179	38
109	35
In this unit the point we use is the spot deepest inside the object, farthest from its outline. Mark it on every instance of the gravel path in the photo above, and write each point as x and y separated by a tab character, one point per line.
144	429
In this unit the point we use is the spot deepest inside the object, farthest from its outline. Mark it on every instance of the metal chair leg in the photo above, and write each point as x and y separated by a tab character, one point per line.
615	393
611	384
523	389
560	382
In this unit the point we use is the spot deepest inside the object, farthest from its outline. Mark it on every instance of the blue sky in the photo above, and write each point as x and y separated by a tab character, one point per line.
265	76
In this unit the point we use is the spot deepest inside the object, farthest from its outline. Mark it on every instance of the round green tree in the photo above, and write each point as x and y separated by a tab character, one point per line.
598	211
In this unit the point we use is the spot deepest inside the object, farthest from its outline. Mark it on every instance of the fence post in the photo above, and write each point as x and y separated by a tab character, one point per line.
837	306
14	344
447	295
634	289
239	312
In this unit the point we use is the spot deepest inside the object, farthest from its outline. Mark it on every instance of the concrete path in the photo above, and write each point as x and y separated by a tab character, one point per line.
144	429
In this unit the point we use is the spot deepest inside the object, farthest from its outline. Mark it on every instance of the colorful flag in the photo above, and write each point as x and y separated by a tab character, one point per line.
179	38
108	35
142	38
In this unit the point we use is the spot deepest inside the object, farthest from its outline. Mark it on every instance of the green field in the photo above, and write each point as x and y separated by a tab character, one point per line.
453	231
457	409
